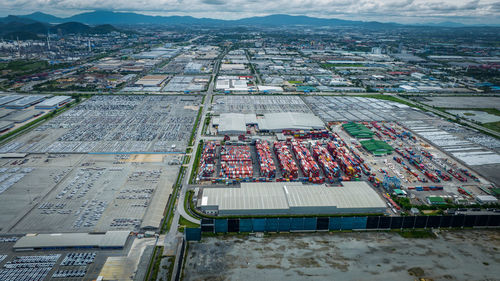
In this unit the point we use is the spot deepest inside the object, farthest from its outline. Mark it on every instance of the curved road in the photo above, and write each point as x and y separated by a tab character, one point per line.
173	236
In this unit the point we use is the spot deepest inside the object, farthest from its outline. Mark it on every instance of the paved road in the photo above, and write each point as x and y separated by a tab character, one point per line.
172	238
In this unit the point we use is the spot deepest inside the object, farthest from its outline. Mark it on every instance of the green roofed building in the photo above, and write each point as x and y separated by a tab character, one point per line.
357	130
377	147
435	200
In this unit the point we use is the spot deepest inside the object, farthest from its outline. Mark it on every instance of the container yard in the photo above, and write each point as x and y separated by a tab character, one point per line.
115	124
84	193
392	158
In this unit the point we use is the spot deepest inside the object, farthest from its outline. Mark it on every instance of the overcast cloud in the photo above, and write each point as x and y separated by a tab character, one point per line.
404	11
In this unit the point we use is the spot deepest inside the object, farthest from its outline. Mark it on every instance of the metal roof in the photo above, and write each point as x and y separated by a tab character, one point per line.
25	101
7	99
54	101
290	120
235	122
286	195
110	239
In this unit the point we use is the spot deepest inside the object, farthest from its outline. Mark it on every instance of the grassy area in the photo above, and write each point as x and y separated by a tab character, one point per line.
492	126
184	223
417	234
206	124
19	68
167	220
154	264
170	271
294	82
193	132
196	163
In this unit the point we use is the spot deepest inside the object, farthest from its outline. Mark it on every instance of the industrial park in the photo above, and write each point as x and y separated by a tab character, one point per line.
228	150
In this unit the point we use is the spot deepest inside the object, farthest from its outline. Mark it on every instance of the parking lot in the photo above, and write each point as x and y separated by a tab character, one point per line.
361	109
52	264
115	124
82	193
258	104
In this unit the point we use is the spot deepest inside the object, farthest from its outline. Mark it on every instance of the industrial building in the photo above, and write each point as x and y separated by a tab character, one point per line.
107	240
151	80
291	198
236	123
5	125
24	102
21	116
53	103
8	99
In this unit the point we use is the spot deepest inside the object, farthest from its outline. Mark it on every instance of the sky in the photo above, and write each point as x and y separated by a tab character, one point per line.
401	11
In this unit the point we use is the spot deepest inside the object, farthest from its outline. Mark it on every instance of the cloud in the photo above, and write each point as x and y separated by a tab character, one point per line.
382	10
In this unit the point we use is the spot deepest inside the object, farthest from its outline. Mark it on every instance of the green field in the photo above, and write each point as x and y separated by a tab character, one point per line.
18	68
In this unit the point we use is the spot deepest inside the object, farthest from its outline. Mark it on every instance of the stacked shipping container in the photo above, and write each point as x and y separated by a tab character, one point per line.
309	167
265	158
236	162
326	161
207	161
287	165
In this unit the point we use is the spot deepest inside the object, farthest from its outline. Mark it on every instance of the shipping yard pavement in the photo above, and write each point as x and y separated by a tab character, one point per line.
453	255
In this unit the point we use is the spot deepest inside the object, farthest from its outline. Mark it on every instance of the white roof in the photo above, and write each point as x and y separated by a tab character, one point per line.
290	120
235	122
67	240
53	101
286	195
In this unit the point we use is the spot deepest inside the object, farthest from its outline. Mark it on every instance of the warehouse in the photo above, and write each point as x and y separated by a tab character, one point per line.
151	80
106	240
21	116
53	103
279	121
236	123
291	198
7	99
24	102
5	125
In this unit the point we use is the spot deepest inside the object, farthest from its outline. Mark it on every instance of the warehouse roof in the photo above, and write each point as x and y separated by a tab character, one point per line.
7	99
22	115
54	101
234	122
286	195
289	120
25	101
110	239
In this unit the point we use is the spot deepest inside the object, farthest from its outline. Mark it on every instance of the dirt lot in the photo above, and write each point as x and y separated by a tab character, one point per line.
453	255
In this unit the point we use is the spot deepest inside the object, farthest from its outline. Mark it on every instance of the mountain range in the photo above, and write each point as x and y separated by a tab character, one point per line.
37	24
15	27
119	18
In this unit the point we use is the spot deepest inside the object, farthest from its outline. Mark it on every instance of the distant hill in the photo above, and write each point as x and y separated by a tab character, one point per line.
42	17
118	18
108	17
17	19
12	27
